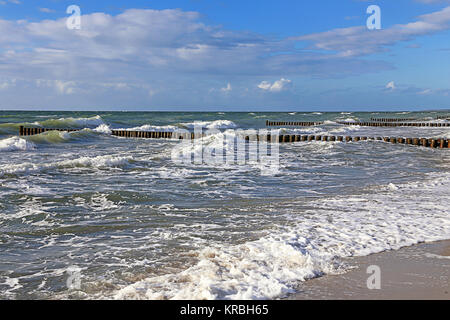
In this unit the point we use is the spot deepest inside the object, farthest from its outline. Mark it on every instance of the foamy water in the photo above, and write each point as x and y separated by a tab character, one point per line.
141	226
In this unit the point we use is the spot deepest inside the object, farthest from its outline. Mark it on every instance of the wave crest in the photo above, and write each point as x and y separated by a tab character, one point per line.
16	144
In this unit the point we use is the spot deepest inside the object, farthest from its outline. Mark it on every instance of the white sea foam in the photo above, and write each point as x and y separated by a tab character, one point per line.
349	120
103	128
436	256
16	144
108	161
443	136
217	124
336	227
148	127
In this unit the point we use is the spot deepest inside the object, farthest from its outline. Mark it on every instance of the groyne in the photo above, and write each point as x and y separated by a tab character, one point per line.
414	141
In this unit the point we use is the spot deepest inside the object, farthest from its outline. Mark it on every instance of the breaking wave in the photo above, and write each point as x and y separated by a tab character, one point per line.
100	162
16	144
275	265
72	122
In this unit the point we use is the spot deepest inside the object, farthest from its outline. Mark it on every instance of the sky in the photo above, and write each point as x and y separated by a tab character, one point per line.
227	55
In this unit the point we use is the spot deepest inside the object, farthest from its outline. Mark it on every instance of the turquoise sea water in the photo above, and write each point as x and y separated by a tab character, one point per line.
138	225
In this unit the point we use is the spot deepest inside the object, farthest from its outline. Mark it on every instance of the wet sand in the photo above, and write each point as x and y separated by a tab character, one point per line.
417	272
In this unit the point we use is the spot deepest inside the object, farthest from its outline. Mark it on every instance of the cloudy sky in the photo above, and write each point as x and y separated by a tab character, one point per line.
228	55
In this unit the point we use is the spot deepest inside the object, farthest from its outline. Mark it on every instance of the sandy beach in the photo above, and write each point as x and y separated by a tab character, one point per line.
412	273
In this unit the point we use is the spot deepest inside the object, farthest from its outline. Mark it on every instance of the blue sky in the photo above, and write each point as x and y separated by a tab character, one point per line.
228	55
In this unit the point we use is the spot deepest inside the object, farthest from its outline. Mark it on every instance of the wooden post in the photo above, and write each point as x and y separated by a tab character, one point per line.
424	142
432	143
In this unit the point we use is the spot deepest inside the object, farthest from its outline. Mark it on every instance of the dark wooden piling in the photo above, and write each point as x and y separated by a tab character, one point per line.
432	143
424	142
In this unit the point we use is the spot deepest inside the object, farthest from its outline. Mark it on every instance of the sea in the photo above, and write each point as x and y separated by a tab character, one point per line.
88	215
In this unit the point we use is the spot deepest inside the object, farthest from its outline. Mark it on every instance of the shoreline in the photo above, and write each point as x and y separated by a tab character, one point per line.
418	272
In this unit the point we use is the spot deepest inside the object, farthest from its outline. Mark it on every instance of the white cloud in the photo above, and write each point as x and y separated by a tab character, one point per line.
46	10
143	45
228	88
4	2
358	41
7	84
425	92
391	86
61	87
277	86
433	1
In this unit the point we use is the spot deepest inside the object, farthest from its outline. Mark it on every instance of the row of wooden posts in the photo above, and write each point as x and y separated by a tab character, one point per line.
392	119
432	143
293	123
34	131
396	124
365	124
424	142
